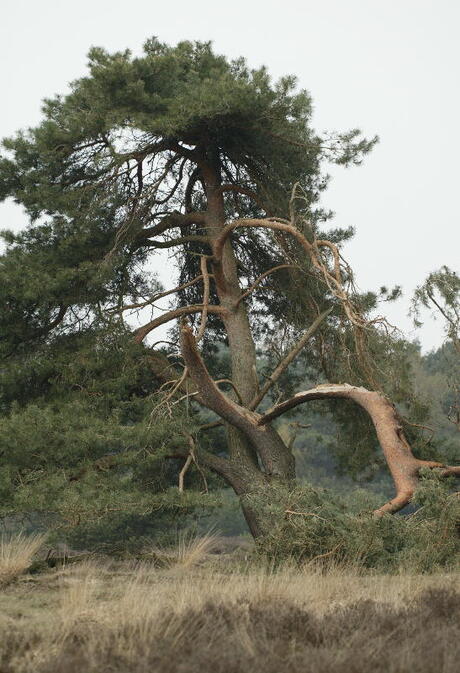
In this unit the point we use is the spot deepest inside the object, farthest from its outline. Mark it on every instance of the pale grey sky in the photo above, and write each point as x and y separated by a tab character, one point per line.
391	68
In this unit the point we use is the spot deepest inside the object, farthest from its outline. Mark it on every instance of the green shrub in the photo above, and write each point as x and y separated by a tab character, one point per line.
316	525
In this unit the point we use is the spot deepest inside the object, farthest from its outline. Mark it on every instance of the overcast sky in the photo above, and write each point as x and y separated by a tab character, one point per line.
390	68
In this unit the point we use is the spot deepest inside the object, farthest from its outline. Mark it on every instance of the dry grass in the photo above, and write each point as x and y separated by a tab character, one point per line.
193	550
190	551
16	555
137	619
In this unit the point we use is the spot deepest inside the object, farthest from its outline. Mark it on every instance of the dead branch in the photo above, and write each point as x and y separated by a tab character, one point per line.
334	280
172	221
193	238
192	445
156	297
229	187
183	472
286	361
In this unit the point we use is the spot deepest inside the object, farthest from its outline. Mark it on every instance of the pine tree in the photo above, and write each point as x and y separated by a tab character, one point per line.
181	149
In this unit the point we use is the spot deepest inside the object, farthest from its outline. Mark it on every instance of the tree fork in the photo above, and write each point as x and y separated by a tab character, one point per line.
276	458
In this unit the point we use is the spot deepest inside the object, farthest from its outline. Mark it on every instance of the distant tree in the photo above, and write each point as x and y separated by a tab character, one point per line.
441	293
180	149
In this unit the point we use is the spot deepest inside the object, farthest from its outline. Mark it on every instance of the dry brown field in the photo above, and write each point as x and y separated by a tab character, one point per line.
199	612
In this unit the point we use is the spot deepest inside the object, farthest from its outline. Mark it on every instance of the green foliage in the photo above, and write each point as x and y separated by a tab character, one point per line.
311	524
184	93
440	292
57	452
111	157
79	447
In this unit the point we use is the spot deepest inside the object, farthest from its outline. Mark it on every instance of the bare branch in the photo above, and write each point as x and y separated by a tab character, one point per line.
172	221
263	275
312	249
183	472
142	332
332	279
285	362
230	187
403	465
155	297
193	238
193	448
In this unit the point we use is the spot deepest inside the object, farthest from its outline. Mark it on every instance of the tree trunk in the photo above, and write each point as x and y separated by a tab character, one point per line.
236	321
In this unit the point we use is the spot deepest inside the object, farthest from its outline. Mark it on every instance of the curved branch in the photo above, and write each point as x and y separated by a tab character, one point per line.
212	396
55	322
193	179
183	472
403	465
332	280
141	333
166	372
232	385
173	190
230	187
274	225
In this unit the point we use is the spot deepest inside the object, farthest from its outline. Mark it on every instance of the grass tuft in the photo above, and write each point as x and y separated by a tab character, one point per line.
193	550
16	555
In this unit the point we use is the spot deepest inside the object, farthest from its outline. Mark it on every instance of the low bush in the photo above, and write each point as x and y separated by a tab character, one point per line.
316	525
